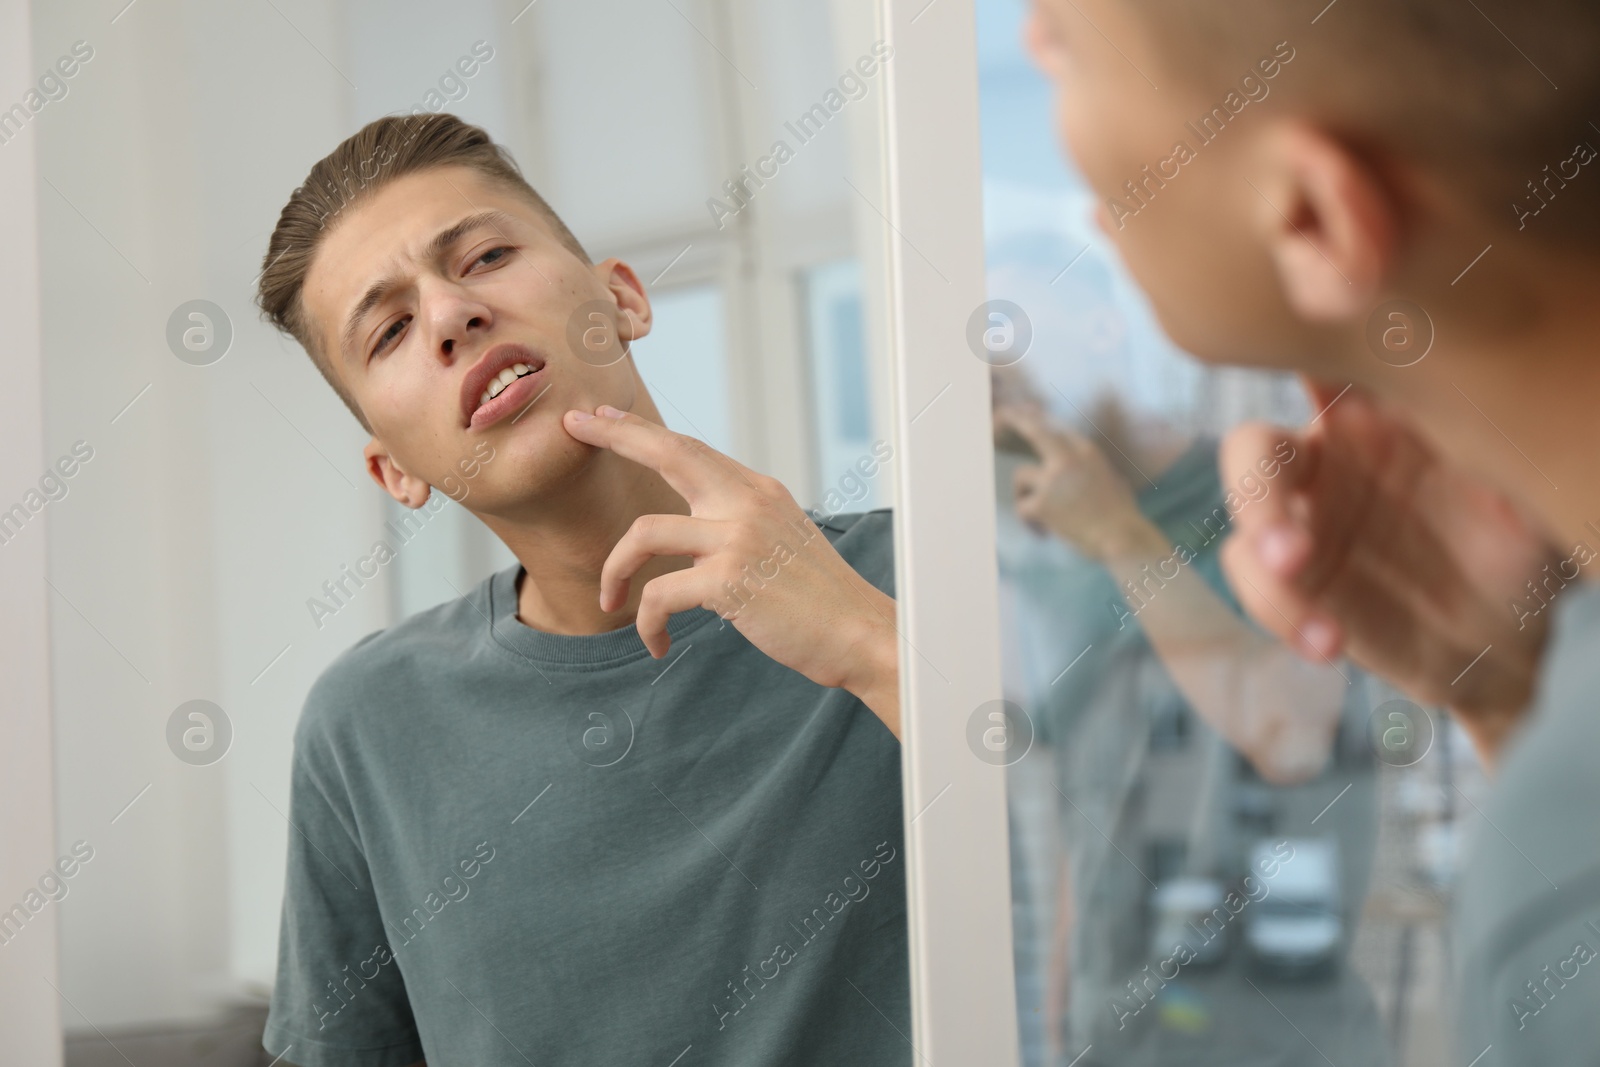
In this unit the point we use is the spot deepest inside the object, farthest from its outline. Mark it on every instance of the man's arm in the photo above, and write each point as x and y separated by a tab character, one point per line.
332	941
759	562
1276	710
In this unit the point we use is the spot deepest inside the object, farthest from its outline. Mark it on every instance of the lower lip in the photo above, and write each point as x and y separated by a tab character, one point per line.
511	401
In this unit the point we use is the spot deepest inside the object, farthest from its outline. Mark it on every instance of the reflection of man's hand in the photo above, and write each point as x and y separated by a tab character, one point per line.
759	561
1074	492
1373	546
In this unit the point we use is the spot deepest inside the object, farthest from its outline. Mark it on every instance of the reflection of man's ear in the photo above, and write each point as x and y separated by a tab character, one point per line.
405	488
1329	221
633	305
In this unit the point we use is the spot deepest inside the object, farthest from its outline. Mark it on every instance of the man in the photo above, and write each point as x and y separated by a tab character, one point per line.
519	836
1394	200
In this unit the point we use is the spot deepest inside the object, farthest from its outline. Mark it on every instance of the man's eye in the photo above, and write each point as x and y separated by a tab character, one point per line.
496	253
388	335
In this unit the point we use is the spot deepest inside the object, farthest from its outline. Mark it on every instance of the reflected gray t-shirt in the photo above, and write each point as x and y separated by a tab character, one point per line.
1528	917
516	847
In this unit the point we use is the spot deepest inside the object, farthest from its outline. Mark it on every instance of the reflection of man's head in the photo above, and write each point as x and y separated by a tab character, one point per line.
1269	171
437	292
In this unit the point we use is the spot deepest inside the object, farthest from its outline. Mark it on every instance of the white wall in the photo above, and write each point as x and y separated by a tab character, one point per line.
214	504
30	1010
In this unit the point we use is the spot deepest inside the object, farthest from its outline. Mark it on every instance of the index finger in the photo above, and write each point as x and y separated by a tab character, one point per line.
1288	462
1285	458
693	468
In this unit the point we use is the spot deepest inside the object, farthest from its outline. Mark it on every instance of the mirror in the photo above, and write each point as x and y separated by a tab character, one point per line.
1220	852
363	753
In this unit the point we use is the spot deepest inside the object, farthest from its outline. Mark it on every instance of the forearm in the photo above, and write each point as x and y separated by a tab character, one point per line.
873	676
1264	700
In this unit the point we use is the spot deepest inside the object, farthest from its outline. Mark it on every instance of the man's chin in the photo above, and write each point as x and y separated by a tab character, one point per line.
528	470
1190	328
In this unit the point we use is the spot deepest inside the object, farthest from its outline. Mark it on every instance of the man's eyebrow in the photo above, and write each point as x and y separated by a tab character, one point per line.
380	290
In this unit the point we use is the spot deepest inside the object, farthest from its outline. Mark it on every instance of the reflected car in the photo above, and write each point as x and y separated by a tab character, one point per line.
1297	930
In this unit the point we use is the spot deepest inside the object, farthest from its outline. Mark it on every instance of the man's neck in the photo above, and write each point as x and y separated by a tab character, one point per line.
1511	386
564	546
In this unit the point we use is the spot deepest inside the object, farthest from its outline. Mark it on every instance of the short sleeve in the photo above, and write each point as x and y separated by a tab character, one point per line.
339	999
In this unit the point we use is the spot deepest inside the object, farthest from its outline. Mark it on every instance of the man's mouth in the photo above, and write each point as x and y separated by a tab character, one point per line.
504	380
508	378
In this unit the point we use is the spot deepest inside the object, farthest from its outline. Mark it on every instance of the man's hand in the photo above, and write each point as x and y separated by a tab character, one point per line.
1368	543
1073	491
759	562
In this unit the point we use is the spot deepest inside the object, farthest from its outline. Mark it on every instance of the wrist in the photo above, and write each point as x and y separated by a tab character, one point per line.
1134	539
872	672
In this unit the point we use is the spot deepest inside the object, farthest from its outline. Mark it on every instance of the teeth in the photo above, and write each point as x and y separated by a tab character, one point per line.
498	384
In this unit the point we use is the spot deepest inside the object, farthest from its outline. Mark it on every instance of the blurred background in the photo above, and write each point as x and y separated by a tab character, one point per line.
1159	755
226	484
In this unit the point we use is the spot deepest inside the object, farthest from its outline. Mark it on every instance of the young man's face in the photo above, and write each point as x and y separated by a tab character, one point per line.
502	292
1194	247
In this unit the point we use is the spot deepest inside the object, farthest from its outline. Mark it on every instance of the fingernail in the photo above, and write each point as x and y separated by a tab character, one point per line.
580	416
610	412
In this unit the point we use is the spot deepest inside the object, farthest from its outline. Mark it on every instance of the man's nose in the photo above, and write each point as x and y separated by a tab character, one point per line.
453	318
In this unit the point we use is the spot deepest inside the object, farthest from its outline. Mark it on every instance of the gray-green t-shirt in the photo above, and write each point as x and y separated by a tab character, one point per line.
516	847
1528	917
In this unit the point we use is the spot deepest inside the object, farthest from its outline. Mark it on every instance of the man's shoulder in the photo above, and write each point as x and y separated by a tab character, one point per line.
386	669
1547	780
1532	881
837	523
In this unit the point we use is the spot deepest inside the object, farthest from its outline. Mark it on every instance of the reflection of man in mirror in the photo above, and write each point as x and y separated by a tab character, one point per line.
1421	170
1179	741
698	852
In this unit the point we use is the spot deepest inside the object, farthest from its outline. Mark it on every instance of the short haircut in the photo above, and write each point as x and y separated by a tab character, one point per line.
378	153
1469	89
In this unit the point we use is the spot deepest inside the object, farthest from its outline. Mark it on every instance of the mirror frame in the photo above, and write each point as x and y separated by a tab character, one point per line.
958	880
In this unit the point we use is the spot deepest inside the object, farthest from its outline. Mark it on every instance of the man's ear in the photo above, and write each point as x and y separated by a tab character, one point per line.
633	306
1330	223
407	489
